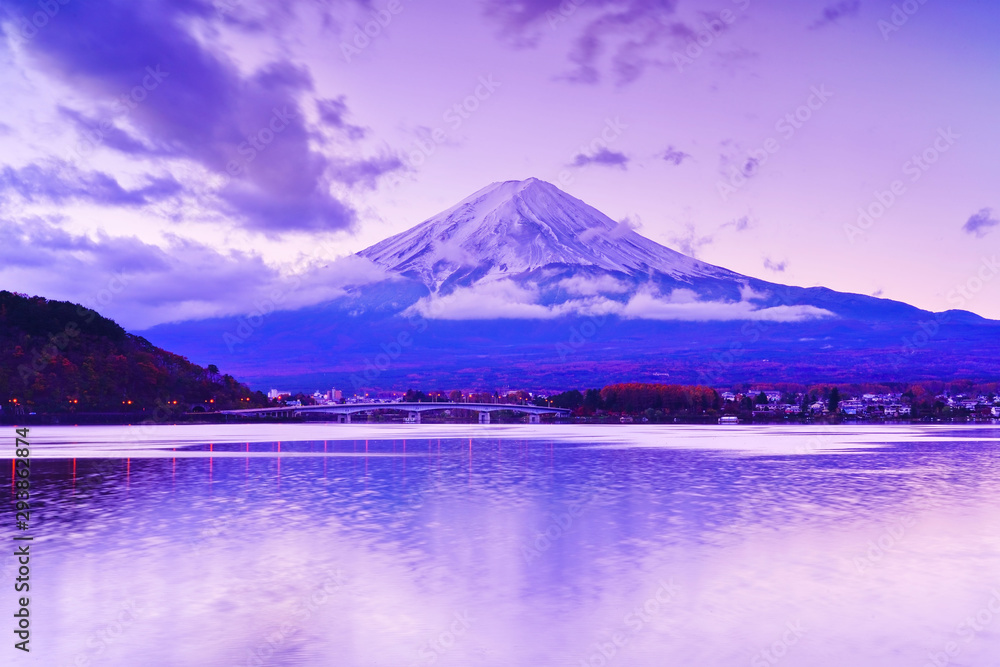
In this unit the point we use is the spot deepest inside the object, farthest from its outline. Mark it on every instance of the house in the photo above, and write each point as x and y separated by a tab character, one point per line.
852	407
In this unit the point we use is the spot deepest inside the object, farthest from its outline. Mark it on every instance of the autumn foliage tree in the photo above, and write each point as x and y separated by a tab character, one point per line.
57	356
634	397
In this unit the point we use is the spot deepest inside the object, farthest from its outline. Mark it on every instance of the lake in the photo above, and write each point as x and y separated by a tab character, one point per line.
408	545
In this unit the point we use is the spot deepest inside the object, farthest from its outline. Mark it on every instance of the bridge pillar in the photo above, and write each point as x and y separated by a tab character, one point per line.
534	418
413	418
344	419
484	417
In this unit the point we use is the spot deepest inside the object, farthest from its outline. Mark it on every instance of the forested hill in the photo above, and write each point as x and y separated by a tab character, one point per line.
57	356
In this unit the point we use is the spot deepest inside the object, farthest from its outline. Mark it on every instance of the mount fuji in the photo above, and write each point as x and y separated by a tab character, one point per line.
523	285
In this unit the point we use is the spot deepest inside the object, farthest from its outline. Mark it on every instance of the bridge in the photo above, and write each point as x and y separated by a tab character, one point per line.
343	411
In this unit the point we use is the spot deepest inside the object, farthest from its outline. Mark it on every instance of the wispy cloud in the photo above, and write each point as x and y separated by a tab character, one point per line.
333	112
690	242
632	34
505	299
59	182
674	156
982	223
603	156
777	267
834	12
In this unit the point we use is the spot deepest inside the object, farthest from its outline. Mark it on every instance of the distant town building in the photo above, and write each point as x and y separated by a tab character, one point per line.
277	394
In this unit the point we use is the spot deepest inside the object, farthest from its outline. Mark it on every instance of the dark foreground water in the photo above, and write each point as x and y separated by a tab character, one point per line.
353	545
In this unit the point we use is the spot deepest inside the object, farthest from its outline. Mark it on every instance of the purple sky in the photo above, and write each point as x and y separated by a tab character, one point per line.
745	133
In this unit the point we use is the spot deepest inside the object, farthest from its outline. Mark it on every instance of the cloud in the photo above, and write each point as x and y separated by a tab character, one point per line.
777	267
180	279
364	172
740	224
747	293
833	13
59	182
690	243
603	156
674	156
95	133
177	93
735	160
505	299
632	34
501	299
332	112
592	285
982	223
622	228
684	305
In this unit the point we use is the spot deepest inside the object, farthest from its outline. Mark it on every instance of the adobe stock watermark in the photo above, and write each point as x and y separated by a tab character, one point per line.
27	29
562	13
580	336
963	293
967	630
778	649
609	134
319	595
455	116
559	524
247	325
256	142
927	330
443	641
128	613
786	127
365	33
914	168
712	28
882	546
86	312
122	106
960	297
751	332
899	17
391	350
612	641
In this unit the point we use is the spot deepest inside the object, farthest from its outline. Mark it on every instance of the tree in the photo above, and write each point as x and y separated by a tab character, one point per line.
455	396
592	399
834	399
761	399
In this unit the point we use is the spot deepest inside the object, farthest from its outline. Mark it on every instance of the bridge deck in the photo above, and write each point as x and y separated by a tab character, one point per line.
352	408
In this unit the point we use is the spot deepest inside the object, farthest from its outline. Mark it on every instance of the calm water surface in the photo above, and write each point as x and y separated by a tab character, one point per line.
406	545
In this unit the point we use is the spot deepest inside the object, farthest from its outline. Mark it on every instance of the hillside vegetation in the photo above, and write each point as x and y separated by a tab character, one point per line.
57	357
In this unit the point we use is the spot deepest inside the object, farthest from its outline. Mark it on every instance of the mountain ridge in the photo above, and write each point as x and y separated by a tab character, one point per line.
532	224
522	285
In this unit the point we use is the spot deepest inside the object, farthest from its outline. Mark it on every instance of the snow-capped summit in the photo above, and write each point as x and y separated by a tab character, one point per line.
513	227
